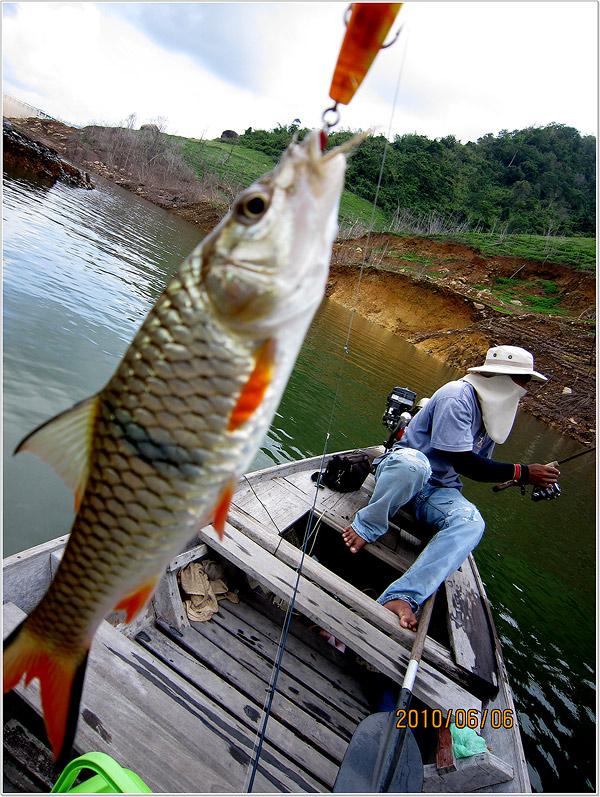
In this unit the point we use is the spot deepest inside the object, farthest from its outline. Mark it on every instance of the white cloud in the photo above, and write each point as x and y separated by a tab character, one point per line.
488	66
466	68
108	70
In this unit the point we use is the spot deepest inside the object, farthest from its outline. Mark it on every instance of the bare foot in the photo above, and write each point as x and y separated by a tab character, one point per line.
405	613
352	540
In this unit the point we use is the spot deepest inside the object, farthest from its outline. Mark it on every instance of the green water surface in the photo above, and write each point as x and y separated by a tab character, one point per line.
81	270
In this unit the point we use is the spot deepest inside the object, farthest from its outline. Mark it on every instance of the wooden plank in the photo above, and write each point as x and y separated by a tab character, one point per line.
302	488
470	635
30	756
378	649
249	712
167	603
338	509
307	726
271	495
341	508
319	662
197	552
471	774
445	761
26	576
408	523
277	488
401	557
154	722
344	506
288	684
311	464
371	611
293	663
343	663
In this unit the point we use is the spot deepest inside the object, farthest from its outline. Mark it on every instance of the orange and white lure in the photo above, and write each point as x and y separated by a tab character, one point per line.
159	450
367	28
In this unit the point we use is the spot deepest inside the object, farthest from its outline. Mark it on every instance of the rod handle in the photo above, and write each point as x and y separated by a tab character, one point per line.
512	483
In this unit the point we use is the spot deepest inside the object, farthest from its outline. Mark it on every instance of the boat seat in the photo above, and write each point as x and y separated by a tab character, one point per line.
463	775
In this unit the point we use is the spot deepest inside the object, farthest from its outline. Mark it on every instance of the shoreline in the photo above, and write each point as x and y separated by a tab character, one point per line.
437	295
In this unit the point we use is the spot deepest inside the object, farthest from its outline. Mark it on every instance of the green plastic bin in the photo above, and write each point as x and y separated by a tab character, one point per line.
110	777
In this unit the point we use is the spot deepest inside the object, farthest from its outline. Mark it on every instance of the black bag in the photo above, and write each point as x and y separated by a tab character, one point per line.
345	474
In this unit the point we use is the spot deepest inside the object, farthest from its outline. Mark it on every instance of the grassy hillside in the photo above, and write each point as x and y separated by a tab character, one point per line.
577	252
239	166
233	167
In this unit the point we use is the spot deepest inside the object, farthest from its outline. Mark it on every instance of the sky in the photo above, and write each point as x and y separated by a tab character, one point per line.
462	69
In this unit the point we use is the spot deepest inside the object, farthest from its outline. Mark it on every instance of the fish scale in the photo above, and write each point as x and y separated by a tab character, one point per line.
158	452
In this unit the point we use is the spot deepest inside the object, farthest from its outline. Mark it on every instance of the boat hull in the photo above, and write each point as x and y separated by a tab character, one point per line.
181	702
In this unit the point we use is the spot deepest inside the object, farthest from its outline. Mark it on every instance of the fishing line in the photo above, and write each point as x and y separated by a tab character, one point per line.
366	249
360	276
262	504
276	668
285	629
314	532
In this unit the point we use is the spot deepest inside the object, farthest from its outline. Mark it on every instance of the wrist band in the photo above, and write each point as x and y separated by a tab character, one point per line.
517	473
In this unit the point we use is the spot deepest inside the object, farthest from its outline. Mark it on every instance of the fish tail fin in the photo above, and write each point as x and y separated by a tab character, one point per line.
61	683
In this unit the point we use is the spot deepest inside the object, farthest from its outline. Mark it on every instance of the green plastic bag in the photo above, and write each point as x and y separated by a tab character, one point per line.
466	742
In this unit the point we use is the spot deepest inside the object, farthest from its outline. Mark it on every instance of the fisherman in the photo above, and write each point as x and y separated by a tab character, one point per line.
454	433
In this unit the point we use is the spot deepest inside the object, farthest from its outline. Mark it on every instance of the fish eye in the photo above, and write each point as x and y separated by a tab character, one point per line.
251	207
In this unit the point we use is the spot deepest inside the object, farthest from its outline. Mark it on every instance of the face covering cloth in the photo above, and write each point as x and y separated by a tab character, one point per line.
499	399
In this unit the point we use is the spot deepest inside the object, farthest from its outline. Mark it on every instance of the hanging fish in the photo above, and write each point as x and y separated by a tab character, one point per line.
158	452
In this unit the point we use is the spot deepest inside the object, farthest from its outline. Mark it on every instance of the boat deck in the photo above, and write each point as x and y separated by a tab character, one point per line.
181	702
197	696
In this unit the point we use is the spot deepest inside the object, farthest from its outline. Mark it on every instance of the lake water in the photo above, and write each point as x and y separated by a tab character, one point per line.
81	270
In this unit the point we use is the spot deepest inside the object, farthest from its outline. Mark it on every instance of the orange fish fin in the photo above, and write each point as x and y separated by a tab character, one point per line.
223	509
61	684
255	388
65	443
134	602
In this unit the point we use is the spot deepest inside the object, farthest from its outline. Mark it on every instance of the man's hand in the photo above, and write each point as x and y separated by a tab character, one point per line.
543	475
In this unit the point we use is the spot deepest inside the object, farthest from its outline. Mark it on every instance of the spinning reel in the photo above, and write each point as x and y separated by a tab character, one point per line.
543	493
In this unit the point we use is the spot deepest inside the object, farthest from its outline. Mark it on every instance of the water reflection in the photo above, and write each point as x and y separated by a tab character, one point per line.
81	269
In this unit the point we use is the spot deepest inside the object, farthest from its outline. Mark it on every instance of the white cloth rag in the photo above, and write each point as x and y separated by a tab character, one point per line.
203	583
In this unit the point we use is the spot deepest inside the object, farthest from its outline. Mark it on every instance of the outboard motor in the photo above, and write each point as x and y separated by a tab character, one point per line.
397	413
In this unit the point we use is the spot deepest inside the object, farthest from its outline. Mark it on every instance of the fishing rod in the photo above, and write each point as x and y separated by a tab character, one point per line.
574	456
543	493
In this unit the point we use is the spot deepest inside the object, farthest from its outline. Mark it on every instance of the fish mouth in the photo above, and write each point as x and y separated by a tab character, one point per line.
319	160
346	146
309	152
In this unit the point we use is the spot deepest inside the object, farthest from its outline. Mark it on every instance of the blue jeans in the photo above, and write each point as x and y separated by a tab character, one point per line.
401	479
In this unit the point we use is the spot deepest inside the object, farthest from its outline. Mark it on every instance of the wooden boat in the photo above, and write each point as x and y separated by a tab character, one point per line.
180	702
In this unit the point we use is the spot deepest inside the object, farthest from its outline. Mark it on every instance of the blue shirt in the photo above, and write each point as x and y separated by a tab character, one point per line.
450	421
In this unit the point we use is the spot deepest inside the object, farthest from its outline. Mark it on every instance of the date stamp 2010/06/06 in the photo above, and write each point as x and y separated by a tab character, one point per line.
462	718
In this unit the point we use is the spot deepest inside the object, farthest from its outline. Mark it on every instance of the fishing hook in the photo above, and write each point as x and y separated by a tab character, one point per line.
393	40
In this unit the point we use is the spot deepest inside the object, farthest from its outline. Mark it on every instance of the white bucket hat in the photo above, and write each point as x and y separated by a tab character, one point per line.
510	360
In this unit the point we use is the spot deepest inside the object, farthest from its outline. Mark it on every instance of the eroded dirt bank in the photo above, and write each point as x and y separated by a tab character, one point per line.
436	295
451	319
70	143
